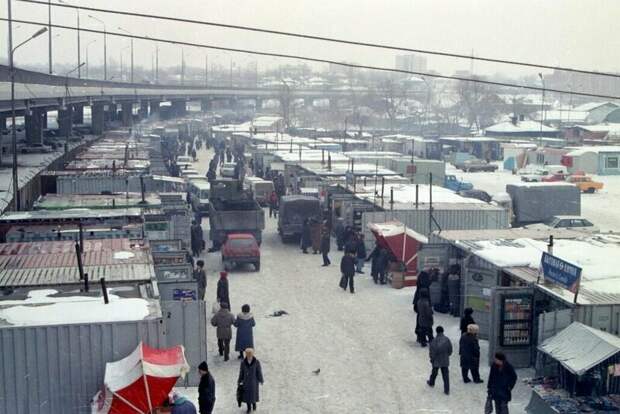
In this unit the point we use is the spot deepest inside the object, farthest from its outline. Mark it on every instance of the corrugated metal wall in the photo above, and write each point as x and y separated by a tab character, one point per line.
58	369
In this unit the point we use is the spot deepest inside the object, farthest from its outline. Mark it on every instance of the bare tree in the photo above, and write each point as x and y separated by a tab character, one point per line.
480	103
392	95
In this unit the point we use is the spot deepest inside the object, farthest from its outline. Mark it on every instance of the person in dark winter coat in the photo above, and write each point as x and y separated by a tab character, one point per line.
181	405
439	352
469	350
194	154
374	258
502	379
467	319
382	265
339	231
197	240
206	389
424	321
201	278
360	250
325	245
347	268
306	236
273	204
223	320
423	282
350	241
245	330
222	289
315	235
250	376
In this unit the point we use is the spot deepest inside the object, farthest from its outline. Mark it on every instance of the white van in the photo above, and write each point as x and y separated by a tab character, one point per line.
261	188
199	190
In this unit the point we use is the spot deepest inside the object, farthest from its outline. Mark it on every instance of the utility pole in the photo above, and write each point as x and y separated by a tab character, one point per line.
105	47
131	44
49	31
542	108
182	67
206	70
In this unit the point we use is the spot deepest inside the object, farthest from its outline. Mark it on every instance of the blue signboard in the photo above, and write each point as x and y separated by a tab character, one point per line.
184	294
560	272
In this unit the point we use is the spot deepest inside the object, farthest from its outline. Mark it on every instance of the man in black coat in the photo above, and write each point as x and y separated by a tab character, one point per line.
360	250
306	236
467	319
469	350
222	289
197	240
206	389
325	245
347	268
502	380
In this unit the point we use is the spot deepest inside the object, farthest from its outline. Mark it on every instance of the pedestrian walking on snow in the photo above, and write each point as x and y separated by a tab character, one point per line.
360	251
347	268
467	320
197	241
469	350
315	235
325	245
502	380
206	389
306	236
439	352
245	330
250	376
223	321
201	278
273	204
424	320
222	289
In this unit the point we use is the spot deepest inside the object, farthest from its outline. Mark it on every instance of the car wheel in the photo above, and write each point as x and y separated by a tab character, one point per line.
590	190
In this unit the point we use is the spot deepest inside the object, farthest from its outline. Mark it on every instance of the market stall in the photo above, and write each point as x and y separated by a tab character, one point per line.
582	367
403	244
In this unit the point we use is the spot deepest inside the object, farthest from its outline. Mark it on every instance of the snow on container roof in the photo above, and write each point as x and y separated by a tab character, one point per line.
372	154
542	184
598	256
594	149
360	169
405	194
469	139
72	214
42	308
95	201
310	155
522	126
579	347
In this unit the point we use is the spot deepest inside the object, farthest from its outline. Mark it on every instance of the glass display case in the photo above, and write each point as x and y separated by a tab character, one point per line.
516	320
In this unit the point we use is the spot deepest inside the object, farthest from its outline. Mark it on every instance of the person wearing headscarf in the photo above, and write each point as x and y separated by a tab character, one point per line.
245	330
250	376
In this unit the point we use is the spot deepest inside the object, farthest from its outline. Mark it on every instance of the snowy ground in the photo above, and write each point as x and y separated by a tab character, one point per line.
363	343
600	207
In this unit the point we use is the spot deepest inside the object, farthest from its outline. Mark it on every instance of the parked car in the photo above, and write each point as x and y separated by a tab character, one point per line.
585	183
477	194
184	159
536	174
240	248
476	165
567	222
454	184
551	178
36	149
228	169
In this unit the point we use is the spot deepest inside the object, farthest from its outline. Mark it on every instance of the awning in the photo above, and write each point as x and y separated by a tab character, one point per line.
579	347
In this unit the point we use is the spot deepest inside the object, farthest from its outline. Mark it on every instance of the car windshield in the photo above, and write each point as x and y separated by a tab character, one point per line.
241	243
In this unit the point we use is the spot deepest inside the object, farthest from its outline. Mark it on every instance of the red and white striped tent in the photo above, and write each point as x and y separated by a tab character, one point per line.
141	381
403	243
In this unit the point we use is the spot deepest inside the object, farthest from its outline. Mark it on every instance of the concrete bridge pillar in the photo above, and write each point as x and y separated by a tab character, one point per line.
78	114
178	108
34	126
206	105
144	109
97	118
154	107
65	121
126	113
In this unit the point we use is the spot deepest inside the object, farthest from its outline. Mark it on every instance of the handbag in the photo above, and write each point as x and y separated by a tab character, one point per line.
239	394
488	406
343	282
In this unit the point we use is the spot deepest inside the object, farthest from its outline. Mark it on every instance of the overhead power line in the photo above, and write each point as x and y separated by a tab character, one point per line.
324	39
318	60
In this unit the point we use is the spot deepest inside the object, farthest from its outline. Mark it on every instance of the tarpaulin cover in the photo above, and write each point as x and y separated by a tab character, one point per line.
399	240
141	381
579	347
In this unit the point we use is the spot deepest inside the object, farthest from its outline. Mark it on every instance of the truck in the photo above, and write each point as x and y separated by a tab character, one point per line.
476	165
233	209
540	202
262	189
294	210
199	195
454	184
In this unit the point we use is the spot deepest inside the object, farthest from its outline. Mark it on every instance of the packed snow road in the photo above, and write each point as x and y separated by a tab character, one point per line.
363	343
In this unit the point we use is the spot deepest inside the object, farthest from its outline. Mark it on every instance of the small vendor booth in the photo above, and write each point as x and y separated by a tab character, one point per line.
581	365
403	244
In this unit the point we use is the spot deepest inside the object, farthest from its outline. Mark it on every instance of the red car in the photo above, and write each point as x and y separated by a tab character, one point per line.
240	248
554	177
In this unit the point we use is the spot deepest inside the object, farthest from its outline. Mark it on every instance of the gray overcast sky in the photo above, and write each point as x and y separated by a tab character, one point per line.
575	33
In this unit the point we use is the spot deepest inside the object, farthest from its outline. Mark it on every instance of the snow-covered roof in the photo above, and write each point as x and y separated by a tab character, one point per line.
566	115
594	149
405	194
266	121
310	155
42	307
611	128
521	126
401	137
469	139
598	256
590	106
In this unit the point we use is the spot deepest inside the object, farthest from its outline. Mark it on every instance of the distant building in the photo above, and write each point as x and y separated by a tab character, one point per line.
413	63
571	81
601	160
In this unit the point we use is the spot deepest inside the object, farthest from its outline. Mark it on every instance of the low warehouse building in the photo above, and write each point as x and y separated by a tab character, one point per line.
603	160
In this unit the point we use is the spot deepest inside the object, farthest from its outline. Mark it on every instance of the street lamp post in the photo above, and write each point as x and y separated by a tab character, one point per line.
105	47
131	40
87	64
542	107
14	130
49	31
79	59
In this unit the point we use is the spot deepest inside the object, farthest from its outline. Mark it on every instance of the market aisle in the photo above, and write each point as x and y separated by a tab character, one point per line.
363	343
